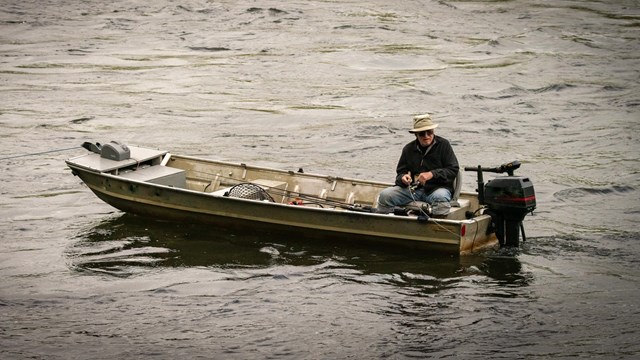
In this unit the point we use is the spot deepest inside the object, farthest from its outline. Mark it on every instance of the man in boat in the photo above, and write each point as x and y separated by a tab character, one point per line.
426	170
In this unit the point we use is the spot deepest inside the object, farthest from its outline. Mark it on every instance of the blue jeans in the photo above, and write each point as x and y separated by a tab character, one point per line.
398	196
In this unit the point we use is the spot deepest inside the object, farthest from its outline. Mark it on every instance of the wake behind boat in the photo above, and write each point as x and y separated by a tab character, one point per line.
158	184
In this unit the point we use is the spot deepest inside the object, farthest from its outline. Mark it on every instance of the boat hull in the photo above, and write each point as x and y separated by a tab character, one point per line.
179	204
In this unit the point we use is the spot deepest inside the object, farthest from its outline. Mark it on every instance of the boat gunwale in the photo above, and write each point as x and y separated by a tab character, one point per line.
467	194
282	171
277	204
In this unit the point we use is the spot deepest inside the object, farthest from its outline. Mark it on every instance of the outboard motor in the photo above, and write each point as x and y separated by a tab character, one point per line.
508	199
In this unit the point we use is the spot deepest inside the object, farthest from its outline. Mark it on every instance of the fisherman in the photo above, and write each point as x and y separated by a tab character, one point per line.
426	170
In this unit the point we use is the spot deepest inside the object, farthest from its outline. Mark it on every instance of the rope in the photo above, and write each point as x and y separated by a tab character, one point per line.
475	236
39	153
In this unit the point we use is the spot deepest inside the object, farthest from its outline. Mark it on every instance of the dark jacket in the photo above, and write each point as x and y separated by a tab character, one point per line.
440	160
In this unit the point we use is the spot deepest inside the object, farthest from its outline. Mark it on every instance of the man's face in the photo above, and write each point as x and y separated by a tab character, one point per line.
425	137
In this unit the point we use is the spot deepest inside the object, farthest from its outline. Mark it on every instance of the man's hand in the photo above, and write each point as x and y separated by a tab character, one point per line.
406	178
424	177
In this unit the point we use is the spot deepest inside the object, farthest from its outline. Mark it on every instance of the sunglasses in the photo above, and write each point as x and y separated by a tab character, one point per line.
425	133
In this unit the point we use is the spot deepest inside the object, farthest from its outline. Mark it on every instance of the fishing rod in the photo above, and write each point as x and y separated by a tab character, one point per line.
39	153
312	199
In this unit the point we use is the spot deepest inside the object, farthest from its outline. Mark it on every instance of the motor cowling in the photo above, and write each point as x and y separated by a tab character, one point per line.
509	199
512	195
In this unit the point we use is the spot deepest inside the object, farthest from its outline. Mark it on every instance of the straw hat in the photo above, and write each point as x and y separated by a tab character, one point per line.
422	123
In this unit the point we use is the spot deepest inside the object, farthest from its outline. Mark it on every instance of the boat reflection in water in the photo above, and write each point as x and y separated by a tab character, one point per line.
123	245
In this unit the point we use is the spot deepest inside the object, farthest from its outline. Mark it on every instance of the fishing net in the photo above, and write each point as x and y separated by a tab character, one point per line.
249	191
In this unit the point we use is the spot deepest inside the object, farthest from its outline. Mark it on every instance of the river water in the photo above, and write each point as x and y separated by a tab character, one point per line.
329	86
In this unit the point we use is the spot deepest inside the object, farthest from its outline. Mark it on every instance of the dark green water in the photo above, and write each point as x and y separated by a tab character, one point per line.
330	87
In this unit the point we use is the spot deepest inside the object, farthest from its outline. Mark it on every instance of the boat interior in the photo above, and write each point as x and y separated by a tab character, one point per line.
259	183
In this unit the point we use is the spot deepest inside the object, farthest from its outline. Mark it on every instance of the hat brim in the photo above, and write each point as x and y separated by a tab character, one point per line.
430	127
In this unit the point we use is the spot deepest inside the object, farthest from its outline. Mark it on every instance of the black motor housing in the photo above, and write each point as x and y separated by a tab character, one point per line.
509	199
512	195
